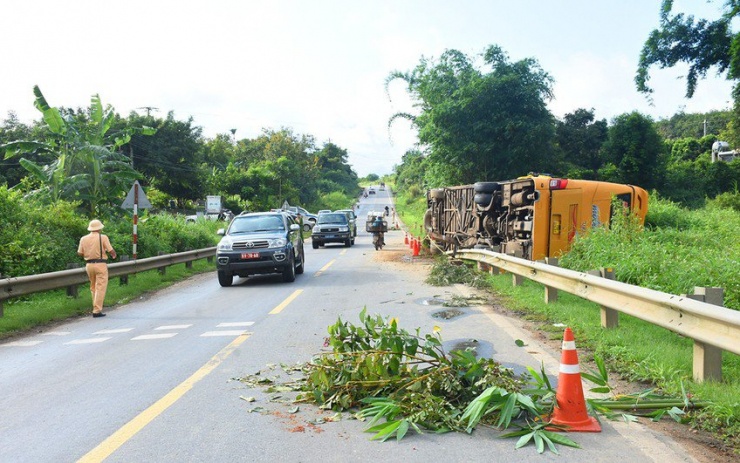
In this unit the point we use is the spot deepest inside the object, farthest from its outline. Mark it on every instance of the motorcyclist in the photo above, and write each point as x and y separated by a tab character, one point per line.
386	211
378	225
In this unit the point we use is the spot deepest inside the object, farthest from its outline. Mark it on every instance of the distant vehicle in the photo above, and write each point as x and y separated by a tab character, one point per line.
324	211
352	220
226	215
309	220
332	227
372	192
214	210
260	243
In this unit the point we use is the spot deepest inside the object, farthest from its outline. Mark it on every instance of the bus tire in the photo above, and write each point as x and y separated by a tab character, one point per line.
486	187
437	193
483	199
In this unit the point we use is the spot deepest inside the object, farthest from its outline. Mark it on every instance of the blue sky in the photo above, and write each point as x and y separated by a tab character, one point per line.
319	66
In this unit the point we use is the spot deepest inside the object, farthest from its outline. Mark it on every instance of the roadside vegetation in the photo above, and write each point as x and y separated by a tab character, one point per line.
678	249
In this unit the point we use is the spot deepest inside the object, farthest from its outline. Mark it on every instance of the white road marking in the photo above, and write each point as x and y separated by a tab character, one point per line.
172	327
21	343
86	341
144	337
223	333
118	330
56	333
234	324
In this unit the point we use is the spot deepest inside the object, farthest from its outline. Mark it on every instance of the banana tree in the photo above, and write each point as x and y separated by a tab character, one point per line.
89	166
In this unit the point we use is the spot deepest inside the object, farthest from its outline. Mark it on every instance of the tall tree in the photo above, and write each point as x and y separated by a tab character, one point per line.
580	138
636	149
478	125
171	159
701	44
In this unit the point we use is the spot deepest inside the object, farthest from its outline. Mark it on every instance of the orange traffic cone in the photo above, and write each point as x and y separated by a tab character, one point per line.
570	409
406	238
416	248
411	242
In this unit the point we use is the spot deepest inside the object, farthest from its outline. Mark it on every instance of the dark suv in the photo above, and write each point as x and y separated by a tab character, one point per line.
332	227
259	243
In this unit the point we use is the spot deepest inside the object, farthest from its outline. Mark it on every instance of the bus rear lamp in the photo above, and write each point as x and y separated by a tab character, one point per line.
558	183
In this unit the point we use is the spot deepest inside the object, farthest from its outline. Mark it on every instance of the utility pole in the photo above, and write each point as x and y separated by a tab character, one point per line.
705	127
148	109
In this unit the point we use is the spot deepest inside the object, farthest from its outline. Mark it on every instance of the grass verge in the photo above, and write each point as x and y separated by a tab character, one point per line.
635	350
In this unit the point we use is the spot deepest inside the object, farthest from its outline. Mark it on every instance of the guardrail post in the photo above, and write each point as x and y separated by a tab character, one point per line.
707	358
189	264
517	280
162	270
551	294
73	289
123	281
609	317
1	301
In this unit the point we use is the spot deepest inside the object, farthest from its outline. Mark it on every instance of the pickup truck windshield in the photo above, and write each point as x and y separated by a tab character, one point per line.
257	224
332	218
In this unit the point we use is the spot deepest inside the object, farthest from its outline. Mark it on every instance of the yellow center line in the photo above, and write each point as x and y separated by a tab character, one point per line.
130	429
325	267
285	303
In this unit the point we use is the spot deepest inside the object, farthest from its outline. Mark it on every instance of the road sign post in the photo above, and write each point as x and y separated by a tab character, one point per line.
134	199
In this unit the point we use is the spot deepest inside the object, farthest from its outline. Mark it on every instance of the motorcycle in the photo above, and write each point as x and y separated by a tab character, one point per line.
378	227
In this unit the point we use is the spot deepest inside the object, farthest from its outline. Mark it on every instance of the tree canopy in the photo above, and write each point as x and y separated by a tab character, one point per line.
477	124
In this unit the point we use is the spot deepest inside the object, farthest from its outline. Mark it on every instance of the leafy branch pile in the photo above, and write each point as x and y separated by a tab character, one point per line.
401	381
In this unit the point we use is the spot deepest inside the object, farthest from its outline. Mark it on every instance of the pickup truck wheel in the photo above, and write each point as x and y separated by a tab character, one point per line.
289	272
347	243
315	244
225	279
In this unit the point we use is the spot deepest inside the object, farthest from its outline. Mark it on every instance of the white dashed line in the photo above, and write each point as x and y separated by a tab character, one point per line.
234	324
172	327
116	331
145	337
22	343
222	333
86	341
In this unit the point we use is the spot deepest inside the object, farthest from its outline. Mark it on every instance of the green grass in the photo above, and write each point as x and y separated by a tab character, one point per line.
29	312
411	209
635	350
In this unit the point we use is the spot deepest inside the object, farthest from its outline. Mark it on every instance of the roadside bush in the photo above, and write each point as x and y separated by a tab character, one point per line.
681	249
41	238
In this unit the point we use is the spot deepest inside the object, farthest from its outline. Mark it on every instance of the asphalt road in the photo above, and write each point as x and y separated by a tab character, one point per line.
156	380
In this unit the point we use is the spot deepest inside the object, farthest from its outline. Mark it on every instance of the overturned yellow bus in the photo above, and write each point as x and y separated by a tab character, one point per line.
533	217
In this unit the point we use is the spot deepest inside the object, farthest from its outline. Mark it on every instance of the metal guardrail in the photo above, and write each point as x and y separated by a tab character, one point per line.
707	324
20	286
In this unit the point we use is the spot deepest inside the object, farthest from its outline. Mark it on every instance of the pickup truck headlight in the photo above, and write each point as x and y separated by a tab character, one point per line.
316	229
277	243
224	244
343	229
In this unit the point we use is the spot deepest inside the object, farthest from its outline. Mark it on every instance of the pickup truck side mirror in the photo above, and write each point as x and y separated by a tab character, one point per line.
294	227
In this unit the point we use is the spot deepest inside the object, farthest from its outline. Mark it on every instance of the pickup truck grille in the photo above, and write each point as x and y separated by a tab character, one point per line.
247	245
329	229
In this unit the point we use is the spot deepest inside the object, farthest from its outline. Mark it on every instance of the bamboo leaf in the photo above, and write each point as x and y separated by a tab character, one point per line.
524	440
561	439
539	442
